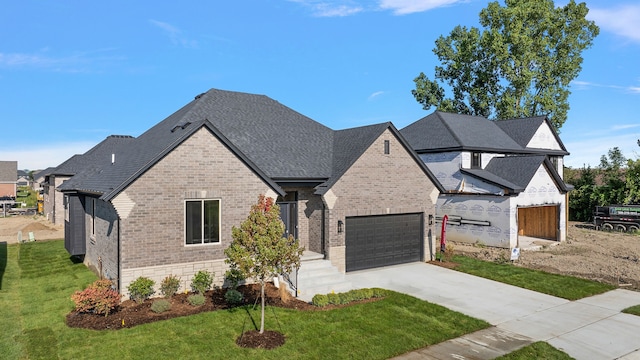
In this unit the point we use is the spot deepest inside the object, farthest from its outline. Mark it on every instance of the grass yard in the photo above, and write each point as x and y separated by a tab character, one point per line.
567	287
37	279
634	310
537	350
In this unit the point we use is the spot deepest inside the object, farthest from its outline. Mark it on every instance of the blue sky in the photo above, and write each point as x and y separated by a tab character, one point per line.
74	72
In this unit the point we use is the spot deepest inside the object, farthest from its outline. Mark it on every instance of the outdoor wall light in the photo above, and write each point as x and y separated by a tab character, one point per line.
430	219
340	226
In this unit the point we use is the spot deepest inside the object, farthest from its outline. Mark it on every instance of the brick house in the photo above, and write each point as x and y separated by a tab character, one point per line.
8	179
502	179
164	203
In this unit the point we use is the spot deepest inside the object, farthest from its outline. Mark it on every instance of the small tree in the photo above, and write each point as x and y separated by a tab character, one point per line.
259	251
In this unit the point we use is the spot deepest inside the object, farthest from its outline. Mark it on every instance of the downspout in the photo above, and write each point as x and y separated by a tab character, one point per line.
118	258
322	230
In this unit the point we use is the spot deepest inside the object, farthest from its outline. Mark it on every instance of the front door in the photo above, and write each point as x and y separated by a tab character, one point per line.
289	216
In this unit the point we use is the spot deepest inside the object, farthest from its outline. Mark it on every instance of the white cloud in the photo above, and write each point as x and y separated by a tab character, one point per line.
584	85
45	156
375	95
331	8
79	62
624	127
623	20
175	34
403	7
334	10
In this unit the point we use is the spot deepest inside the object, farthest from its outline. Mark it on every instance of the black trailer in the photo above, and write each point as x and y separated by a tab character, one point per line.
623	218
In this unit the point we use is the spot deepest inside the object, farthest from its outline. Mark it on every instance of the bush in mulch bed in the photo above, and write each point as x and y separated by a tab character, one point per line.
130	313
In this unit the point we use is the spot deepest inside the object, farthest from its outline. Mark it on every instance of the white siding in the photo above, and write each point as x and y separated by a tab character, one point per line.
500	212
544	139
497	210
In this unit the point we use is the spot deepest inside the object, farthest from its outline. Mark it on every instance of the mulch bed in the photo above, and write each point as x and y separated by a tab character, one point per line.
130	313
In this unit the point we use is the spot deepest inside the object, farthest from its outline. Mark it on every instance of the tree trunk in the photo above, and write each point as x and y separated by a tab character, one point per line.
262	314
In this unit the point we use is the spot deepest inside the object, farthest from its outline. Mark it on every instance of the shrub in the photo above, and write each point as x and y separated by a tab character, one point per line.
233	297
160	305
202	281
141	289
233	277
169	286
196	299
99	298
320	300
366	293
334	299
347	297
378	293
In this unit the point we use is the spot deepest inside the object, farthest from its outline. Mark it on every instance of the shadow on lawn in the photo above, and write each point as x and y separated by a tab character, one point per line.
3	260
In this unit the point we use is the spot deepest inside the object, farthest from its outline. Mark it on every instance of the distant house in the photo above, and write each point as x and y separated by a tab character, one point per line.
164	203
23	178
8	178
502	179
39	178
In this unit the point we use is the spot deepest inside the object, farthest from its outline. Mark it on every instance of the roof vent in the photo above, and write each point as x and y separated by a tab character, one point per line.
113	158
181	125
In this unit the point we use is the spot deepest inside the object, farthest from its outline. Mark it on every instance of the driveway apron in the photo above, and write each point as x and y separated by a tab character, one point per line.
590	328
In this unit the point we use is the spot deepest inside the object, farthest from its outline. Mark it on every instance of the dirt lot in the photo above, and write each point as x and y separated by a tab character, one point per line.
608	257
42	229
602	256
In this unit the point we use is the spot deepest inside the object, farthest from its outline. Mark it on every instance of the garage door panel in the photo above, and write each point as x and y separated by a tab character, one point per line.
373	241
539	222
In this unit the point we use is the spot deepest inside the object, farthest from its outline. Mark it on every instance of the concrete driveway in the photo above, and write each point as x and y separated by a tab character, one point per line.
590	328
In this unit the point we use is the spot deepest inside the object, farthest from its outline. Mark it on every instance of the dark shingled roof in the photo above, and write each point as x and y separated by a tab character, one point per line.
522	130
8	171
93	157
446	131
350	144
515	172
443	131
278	143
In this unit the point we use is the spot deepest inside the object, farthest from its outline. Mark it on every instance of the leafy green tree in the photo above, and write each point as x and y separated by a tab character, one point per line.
633	181
582	199
520	65
613	189
259	251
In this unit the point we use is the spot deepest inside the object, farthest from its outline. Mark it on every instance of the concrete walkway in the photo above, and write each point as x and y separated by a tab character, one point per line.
591	328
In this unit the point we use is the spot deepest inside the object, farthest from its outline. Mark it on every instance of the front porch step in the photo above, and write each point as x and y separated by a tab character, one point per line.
319	276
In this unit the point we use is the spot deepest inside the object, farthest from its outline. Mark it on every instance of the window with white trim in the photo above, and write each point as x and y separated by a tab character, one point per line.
202	221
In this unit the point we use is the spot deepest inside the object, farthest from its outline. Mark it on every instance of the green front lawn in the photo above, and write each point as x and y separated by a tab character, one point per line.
634	310
36	280
537	350
567	287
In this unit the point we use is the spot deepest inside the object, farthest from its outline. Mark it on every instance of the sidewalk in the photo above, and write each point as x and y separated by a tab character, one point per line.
590	328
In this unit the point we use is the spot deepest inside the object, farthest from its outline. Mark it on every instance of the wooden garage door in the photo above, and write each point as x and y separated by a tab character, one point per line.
374	241
539	222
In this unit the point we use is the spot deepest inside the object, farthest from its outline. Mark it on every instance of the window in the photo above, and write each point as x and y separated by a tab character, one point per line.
202	219
386	147
476	160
